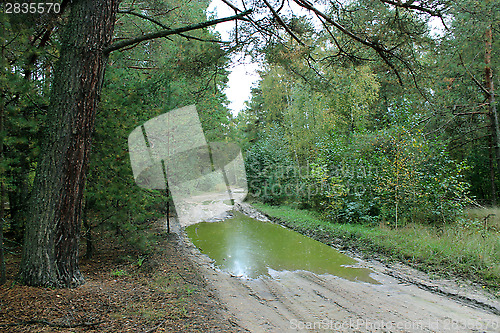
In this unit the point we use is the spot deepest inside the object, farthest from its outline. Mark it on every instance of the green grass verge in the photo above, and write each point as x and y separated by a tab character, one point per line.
463	249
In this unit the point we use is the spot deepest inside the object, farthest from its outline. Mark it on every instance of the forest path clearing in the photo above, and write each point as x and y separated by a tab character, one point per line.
406	300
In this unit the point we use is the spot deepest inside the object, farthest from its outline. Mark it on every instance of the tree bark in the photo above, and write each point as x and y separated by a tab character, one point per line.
50	253
492	170
488	78
2	193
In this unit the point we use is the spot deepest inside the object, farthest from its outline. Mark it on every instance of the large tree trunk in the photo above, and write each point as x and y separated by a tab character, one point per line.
50	254
2	193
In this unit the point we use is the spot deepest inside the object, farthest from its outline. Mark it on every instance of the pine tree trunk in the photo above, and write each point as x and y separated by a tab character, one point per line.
2	197
492	168
488	78
50	254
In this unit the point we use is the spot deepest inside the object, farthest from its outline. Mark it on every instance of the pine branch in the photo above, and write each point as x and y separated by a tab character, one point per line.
169	32
381	50
283	24
487	93
410	5
145	17
163	26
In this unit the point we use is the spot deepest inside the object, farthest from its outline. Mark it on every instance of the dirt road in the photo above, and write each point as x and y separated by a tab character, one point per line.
405	301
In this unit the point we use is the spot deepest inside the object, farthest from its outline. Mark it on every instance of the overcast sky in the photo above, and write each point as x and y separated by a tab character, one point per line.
243	72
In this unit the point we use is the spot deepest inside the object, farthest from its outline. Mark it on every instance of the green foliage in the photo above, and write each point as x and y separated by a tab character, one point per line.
462	112
351	150
119	273
417	181
396	175
24	85
348	168
140	261
326	192
140	84
113	200
269	168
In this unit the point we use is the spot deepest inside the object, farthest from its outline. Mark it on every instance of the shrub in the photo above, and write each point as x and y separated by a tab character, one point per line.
394	176
270	170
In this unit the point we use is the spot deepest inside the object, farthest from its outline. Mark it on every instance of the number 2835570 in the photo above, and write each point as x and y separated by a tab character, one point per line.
31	8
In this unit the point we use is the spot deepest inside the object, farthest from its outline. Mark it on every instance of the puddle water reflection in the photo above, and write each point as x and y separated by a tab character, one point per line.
247	247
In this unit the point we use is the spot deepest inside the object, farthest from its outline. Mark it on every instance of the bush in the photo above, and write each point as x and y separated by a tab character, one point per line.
417	181
270	170
393	176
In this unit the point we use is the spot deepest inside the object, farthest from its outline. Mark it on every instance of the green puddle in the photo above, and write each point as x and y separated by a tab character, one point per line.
247	247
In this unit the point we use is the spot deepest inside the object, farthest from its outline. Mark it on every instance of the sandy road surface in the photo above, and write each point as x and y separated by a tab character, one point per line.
405	301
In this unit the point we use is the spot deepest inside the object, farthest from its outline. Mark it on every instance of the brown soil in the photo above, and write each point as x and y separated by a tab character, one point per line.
162	293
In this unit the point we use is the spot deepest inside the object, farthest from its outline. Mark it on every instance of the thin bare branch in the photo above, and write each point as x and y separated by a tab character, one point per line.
144	17
470	113
462	134
339	47
410	5
469	141
169	32
143	68
440	127
307	5
233	7
158	23
281	6
486	92
283	24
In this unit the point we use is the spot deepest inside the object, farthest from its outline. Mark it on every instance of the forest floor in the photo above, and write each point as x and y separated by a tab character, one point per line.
178	289
124	292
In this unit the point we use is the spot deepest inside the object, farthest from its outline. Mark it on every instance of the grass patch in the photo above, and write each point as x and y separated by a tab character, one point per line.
119	272
147	311
172	283
465	248
485	218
